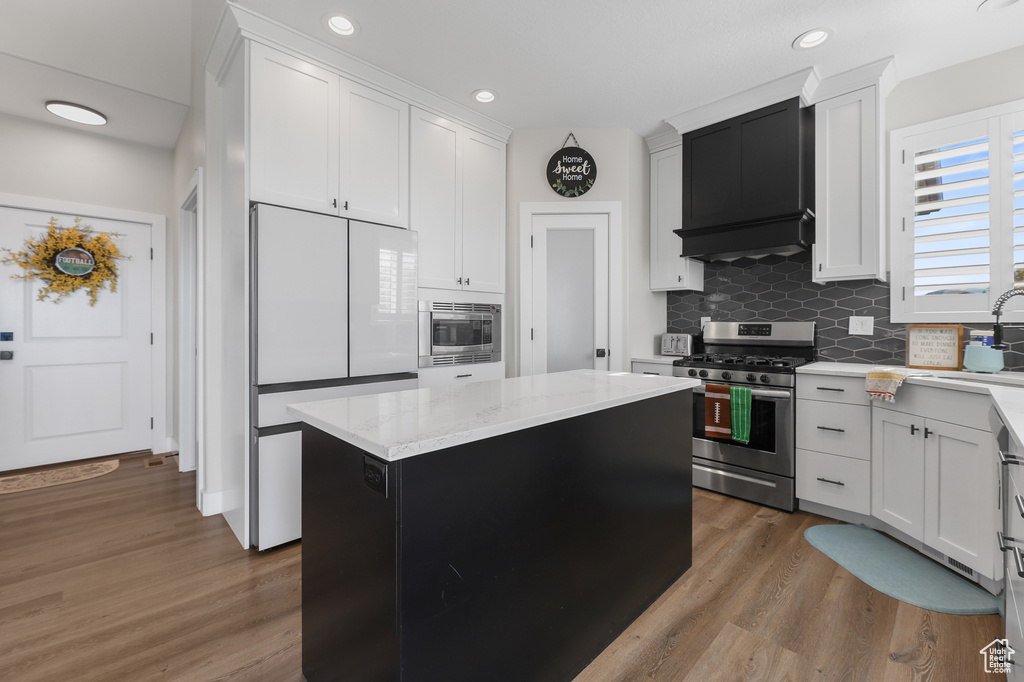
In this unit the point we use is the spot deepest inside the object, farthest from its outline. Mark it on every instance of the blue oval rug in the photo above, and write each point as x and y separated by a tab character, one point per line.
901	573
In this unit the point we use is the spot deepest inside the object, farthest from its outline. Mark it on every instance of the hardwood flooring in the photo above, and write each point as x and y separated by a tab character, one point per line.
121	578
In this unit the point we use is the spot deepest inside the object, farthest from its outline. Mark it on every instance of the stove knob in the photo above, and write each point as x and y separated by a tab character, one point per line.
726	376
692	372
765	379
703	373
751	377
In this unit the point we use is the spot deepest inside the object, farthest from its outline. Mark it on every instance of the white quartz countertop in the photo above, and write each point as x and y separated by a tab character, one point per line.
1005	388
657	359
402	424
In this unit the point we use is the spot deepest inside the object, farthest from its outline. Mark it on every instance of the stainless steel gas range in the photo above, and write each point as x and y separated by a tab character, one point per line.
763	356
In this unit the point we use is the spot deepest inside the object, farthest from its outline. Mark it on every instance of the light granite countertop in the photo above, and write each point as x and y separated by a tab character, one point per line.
402	424
1005	388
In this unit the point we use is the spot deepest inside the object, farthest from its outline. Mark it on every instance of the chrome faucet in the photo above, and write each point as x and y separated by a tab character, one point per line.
997	310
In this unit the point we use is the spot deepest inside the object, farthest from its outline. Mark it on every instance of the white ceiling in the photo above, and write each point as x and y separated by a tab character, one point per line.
597	63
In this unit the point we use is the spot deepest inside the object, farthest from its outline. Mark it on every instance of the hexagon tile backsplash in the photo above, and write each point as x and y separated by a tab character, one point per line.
775	288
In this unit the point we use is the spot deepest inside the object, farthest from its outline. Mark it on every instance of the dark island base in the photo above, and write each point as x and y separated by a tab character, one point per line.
519	557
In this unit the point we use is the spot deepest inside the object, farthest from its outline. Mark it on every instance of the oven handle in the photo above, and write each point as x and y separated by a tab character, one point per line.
757	393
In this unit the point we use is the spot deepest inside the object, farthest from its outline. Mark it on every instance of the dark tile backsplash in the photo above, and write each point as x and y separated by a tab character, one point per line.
775	288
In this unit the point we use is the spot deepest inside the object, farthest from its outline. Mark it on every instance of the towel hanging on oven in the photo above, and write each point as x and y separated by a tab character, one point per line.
740	400
717	411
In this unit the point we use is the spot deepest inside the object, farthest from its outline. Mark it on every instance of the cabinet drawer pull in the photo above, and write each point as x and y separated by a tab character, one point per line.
832	428
1018	558
828	388
1020	504
462	376
825	480
657	374
1003	539
1005	458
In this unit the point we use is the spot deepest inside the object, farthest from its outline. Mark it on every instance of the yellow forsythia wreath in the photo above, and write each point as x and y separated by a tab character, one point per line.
39	261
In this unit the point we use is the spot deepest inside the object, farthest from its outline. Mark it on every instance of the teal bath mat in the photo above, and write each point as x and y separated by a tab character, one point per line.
889	567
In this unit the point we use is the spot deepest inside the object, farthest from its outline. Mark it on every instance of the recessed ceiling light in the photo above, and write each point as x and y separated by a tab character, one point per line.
340	24
992	5
76	113
812	38
485	96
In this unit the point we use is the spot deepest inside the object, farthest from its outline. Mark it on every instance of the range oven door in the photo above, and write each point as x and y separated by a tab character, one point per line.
771	447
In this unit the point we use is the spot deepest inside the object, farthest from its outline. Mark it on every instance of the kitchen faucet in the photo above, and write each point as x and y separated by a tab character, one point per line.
997	310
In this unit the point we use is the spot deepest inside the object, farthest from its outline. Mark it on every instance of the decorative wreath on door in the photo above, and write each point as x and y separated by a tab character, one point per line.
68	259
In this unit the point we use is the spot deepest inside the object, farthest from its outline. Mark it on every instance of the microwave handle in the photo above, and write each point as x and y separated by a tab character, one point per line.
757	393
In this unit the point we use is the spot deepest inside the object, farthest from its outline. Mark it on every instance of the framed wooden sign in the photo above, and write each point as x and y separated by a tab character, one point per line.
935	346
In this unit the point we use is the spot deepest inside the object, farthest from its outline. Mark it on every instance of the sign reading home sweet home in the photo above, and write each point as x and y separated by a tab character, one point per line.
572	171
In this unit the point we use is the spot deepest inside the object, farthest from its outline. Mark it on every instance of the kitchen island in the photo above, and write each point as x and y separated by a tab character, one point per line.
502	530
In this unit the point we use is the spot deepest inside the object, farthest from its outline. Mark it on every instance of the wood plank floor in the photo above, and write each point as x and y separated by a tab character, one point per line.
121	578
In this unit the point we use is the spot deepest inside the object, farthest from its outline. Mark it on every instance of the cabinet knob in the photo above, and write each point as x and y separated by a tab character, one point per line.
913	429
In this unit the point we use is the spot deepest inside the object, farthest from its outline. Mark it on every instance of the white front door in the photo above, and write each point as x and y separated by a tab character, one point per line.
570	292
78	381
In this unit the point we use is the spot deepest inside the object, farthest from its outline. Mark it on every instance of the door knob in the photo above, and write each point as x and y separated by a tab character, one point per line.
6	354
601	352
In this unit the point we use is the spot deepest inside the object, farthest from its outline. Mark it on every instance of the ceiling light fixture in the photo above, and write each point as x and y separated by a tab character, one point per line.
993	5
485	96
340	24
812	38
76	112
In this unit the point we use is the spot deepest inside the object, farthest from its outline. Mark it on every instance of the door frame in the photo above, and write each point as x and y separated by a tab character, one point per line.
617	362
161	440
190	331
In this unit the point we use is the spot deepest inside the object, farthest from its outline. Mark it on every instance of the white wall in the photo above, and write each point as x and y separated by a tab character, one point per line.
623	174
972	85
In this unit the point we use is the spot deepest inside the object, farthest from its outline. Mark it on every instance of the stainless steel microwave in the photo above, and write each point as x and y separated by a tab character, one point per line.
459	333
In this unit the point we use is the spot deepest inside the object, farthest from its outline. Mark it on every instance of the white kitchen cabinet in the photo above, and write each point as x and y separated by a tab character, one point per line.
457	205
847	181
1013	503
669	270
937	482
323	143
833	442
659	368
457	375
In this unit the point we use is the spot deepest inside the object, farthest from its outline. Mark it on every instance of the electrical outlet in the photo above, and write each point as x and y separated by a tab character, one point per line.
704	321
862	325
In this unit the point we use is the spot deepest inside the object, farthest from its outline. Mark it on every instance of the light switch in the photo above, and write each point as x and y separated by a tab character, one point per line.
862	325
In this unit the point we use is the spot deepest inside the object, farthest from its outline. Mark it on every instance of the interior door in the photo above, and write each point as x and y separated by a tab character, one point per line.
570	291
78	381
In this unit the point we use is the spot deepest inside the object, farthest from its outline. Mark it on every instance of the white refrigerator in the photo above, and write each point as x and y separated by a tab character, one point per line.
333	315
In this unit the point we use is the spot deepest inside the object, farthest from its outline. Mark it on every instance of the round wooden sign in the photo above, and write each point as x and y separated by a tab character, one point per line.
572	171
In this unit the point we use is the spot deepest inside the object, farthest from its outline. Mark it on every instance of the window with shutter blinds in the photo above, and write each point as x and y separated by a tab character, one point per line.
957	216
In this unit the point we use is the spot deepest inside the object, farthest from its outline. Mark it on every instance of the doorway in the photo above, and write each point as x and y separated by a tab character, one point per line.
570	287
190	357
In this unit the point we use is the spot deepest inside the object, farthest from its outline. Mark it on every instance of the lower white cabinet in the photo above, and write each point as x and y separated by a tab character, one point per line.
659	368
833	480
1013	503
938	482
455	375
833	441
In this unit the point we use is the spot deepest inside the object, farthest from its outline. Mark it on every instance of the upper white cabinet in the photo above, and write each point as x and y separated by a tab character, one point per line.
669	270
323	143
847	180
457	205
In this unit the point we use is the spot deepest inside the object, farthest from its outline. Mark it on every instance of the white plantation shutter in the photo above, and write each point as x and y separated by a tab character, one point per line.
957	215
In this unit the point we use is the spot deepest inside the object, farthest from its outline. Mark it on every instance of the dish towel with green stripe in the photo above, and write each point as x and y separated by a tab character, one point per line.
739	402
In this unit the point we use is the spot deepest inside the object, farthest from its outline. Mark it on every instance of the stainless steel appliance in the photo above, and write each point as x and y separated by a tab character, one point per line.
676	344
458	333
333	315
763	356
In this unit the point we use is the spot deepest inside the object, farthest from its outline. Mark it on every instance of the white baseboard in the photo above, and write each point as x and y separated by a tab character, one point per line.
211	503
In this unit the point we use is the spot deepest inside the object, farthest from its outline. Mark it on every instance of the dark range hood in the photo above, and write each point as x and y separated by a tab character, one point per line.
748	185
